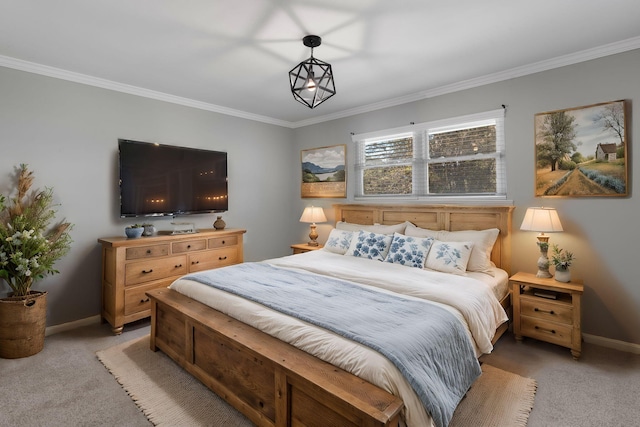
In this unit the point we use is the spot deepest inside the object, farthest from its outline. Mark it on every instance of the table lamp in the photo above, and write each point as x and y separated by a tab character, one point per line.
313	214
543	220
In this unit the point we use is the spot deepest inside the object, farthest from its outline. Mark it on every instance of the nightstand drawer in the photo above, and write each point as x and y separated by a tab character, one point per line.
554	333
546	309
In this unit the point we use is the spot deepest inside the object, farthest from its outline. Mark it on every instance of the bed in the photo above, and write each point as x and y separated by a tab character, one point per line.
280	369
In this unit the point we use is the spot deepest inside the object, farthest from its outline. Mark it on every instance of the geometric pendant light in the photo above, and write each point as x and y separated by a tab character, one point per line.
312	80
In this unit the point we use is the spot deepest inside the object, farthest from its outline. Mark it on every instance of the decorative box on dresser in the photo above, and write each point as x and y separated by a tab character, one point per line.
301	248
547	310
131	267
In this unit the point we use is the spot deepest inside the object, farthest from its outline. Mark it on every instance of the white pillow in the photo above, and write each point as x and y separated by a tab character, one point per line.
370	245
374	228
412	230
483	241
449	257
409	251
338	241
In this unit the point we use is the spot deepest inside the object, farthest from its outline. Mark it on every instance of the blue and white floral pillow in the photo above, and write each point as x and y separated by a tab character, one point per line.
408	250
338	241
370	245
449	257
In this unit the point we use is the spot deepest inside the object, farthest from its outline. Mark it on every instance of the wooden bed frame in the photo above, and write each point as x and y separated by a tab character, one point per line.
275	384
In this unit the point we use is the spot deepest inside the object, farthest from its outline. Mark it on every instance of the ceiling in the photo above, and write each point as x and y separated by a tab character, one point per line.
233	56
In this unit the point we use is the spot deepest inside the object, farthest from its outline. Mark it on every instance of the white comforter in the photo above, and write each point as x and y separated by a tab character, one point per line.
470	300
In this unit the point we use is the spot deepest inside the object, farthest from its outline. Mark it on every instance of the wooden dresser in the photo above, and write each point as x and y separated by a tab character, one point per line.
131	267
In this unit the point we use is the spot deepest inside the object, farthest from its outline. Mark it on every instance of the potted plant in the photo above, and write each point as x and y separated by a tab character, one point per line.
562	260
134	231
29	247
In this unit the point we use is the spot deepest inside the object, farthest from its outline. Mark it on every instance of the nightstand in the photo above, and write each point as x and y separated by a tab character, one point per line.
547	310
301	248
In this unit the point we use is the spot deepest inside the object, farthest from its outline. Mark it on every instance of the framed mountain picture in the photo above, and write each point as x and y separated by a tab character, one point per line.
582	151
324	173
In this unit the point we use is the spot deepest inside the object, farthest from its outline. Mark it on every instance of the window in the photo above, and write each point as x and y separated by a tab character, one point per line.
459	157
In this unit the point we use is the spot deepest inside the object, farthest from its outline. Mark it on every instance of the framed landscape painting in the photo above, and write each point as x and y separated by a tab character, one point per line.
582	152
323	172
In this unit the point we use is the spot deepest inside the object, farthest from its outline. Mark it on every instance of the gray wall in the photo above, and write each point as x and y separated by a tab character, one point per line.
67	133
603	232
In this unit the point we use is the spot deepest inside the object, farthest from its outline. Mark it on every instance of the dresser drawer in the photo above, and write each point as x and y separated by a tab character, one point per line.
147	251
188	246
213	259
135	299
544	309
220	242
555	333
145	271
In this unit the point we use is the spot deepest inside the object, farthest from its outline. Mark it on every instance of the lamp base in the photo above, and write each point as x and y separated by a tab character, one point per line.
543	261
544	274
313	235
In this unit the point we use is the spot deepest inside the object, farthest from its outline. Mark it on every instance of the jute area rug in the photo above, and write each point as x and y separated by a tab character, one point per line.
169	396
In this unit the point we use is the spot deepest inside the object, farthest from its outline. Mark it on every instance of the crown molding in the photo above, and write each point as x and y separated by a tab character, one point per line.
561	61
59	73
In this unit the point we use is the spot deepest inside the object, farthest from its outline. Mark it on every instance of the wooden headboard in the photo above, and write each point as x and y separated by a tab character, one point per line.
439	217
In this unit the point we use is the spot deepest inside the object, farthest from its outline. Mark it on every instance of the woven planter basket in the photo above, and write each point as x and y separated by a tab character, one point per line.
22	325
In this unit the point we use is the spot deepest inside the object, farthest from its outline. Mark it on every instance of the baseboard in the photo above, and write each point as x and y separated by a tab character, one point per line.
72	325
592	339
615	344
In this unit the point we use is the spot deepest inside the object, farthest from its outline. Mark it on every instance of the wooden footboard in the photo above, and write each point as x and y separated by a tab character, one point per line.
269	381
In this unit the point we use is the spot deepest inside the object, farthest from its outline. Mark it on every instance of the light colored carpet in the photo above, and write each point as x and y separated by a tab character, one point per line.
169	396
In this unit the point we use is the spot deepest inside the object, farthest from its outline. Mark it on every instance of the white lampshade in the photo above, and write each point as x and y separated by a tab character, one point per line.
313	214
544	220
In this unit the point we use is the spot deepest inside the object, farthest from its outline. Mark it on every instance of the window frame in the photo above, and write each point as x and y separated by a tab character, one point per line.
420	133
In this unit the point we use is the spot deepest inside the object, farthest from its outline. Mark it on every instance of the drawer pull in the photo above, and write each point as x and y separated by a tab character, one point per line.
195	262
188	246
222	258
147	271
543	311
178	266
223	242
546	330
148	251
142	301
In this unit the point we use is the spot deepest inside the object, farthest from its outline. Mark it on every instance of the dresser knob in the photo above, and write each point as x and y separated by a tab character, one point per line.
223	242
222	258
178	266
142	301
147	271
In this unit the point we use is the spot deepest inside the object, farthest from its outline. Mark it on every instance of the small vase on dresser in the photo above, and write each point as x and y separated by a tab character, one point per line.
219	224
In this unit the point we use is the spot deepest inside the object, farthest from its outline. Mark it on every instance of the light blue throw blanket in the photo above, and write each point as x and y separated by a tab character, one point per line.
425	342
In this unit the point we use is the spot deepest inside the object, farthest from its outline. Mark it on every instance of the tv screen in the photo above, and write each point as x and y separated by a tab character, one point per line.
157	180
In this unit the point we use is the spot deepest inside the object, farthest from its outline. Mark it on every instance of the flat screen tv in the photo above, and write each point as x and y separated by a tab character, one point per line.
159	180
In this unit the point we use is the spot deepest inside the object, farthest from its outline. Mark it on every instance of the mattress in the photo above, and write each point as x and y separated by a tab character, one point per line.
472	299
